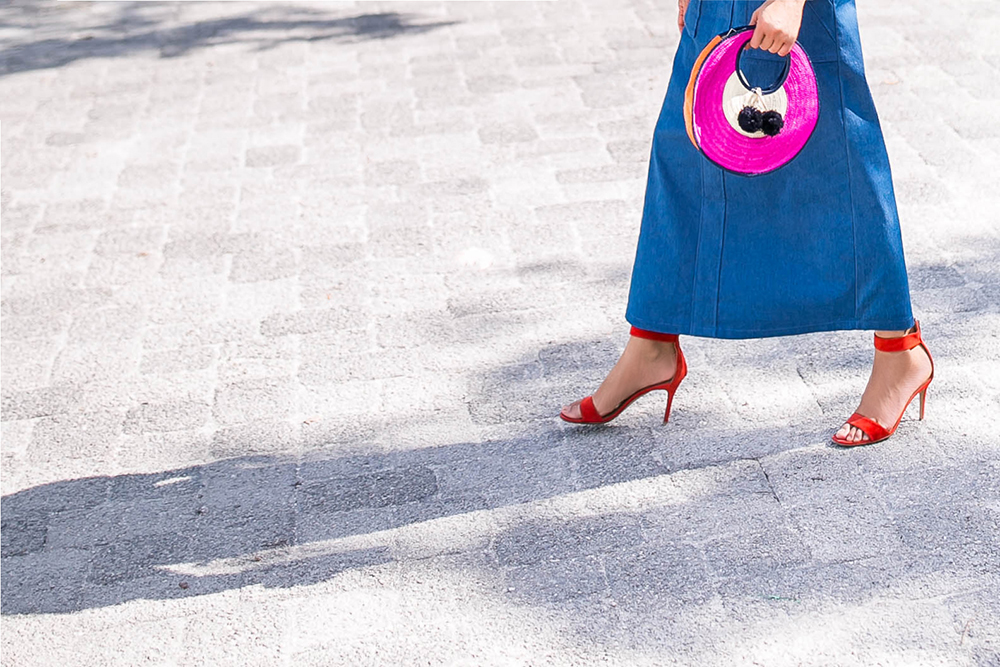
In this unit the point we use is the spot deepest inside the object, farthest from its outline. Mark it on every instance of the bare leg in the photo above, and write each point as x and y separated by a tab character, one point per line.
895	376
644	362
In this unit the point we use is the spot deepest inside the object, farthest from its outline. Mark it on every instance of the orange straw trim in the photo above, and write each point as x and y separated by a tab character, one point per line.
689	92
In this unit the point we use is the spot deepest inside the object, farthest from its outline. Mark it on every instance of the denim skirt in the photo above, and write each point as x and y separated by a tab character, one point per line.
812	246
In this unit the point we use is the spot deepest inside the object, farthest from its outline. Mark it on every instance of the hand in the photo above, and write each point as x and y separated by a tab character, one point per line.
776	25
682	6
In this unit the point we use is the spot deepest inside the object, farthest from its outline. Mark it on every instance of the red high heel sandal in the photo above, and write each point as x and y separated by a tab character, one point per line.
590	415
875	431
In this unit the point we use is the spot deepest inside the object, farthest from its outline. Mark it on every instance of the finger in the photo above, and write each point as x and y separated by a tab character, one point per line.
758	35
766	41
786	48
775	46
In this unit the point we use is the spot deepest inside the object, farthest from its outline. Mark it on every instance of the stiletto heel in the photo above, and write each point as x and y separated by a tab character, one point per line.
670	399
590	415
871	428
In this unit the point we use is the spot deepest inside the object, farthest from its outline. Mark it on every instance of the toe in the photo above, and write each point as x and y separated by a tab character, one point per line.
572	410
843	432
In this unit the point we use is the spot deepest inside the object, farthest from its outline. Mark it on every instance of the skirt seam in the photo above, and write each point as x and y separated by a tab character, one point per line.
697	245
722	251
847	157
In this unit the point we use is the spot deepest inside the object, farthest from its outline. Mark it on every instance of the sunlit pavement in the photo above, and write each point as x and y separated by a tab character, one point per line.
292	295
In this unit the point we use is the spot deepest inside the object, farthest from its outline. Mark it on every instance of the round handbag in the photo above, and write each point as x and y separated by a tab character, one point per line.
743	129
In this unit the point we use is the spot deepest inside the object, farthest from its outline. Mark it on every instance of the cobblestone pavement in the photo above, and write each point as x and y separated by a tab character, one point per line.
292	294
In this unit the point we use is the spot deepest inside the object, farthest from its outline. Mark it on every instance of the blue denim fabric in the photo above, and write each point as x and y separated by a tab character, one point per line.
812	246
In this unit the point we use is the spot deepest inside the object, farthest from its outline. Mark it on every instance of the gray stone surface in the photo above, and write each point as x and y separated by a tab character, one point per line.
291	296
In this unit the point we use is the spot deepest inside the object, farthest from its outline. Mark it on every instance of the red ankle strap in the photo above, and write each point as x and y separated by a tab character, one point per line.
653	335
907	342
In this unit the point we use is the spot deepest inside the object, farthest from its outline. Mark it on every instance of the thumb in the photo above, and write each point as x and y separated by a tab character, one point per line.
753	19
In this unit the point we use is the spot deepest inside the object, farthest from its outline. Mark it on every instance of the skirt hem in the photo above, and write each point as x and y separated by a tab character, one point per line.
722	332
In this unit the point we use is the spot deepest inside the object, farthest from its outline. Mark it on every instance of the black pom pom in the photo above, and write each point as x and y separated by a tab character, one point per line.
772	122
750	119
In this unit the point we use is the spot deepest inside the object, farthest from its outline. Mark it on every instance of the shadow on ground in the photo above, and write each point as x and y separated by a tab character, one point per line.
101	541
806	534
133	28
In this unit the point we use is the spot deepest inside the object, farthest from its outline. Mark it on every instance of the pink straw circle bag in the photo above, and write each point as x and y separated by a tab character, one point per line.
749	130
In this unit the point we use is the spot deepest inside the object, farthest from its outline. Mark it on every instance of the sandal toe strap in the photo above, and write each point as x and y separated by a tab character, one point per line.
588	411
869	427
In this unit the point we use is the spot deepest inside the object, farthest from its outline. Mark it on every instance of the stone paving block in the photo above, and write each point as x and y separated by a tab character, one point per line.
310	321
256	300
155	450
973	483
748	552
255	437
56	302
191	299
135	558
963	536
29	363
110	324
339	433
45	582
617	172
24	533
325	365
346	399
178	360
256	525
126	270
166	416
494	477
646	576
315	569
75	434
96	362
15	436
174	268
20	216
180	334
548	541
363	614
847	531
130	241
39	402
507	133
331	260
373	490
241	401
556	581
240	362
271	156
346	288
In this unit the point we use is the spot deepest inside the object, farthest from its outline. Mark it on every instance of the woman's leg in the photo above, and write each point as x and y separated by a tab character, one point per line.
895	375
649	358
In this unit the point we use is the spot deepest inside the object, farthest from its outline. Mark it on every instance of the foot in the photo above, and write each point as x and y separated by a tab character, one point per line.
895	376
644	362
